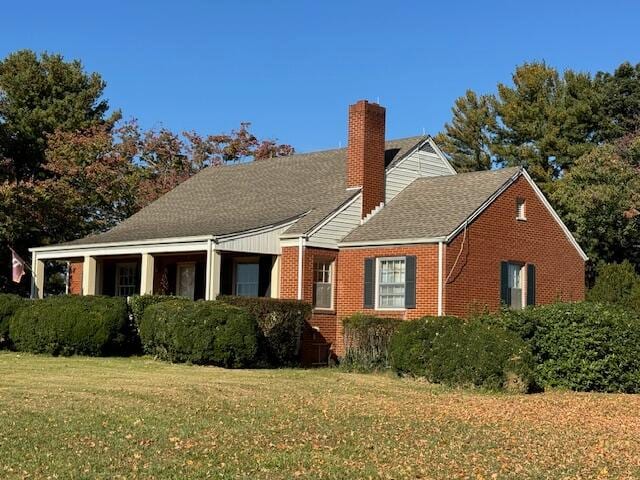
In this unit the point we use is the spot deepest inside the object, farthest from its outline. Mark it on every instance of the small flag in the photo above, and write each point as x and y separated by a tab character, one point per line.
18	266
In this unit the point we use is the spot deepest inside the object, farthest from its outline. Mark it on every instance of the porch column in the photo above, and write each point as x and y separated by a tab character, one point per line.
212	284
37	277
146	274
275	277
89	275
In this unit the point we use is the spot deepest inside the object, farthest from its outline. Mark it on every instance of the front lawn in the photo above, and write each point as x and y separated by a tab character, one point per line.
138	418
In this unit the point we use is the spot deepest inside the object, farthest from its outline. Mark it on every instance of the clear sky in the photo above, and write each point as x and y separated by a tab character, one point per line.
292	67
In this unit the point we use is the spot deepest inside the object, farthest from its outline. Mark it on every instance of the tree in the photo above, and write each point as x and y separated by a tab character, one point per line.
621	94
545	121
38	96
599	199
467	139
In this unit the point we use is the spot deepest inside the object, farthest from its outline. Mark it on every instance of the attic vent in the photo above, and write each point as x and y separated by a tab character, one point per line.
428	148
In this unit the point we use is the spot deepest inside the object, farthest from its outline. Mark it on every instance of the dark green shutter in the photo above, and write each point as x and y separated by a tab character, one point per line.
531	284
505	291
410	282
369	282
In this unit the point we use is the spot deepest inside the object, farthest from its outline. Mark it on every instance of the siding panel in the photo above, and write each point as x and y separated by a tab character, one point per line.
419	164
339	226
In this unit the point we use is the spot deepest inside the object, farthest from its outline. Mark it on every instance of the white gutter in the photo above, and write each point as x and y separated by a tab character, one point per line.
440	285
300	259
91	246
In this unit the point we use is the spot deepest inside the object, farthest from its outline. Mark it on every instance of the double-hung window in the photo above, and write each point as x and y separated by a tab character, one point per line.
126	279
391	282
323	284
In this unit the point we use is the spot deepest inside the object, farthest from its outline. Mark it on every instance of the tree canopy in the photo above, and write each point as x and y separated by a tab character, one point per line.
70	167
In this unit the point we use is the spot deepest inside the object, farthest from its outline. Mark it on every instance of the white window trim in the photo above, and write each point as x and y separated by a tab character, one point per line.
523	282
333	284
521	201
119	266
377	284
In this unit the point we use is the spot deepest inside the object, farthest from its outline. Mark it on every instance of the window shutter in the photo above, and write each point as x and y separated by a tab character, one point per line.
369	282
505	291
410	282
531	284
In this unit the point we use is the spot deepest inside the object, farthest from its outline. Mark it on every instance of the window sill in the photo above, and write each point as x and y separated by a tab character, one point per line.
521	219
326	311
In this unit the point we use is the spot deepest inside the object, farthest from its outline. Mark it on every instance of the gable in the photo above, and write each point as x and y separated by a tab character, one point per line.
426	161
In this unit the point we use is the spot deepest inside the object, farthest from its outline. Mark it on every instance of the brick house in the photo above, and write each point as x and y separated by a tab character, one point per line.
384	226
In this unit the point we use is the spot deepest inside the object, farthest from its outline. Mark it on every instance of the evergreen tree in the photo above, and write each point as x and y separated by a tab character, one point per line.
466	140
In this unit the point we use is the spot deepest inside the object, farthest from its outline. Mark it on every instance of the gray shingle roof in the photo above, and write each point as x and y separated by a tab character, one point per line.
229	199
432	207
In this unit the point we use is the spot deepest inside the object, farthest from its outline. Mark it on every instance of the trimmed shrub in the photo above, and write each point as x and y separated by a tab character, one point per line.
452	351
9	305
581	346
617	283
203	332
68	325
281	323
138	304
366	341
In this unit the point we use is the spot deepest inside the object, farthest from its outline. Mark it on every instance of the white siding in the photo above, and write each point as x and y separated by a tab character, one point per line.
339	226
267	243
418	164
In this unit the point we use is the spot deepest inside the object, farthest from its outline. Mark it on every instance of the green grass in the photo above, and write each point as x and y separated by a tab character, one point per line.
138	418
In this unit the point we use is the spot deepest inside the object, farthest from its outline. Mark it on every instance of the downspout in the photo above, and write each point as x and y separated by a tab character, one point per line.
300	259
440	286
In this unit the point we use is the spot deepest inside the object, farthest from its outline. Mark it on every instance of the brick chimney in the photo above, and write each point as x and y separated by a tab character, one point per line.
365	153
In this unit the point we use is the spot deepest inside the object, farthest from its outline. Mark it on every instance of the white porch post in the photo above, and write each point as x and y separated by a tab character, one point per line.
37	277
146	274
275	277
89	275
212	284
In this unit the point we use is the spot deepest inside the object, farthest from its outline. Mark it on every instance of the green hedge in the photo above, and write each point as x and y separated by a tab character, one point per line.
366	341
68	325
581	346
452	351
203	332
139	303
617	283
281	323
9	305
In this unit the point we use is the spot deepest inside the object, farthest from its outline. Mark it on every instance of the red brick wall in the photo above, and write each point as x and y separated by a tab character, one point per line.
497	236
365	153
75	278
314	340
351	283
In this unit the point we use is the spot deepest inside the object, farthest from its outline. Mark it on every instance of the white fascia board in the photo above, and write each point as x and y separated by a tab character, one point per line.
388	243
555	215
407	155
441	154
131	243
196	246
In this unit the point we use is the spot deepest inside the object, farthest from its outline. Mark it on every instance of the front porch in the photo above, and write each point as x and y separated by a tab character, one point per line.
194	274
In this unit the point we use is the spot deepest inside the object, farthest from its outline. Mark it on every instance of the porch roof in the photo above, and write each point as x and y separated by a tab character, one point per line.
230	199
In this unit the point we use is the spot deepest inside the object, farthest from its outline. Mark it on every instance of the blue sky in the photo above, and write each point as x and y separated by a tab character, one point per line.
292	67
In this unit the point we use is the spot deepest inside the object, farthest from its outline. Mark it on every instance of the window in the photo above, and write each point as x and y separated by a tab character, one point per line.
323	284
186	280
514	283
125	279
521	209
247	279
391	282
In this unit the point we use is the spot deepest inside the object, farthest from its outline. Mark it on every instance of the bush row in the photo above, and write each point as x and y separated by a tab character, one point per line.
579	346
256	331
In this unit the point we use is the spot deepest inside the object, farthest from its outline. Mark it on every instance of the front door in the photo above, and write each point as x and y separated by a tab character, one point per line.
186	280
